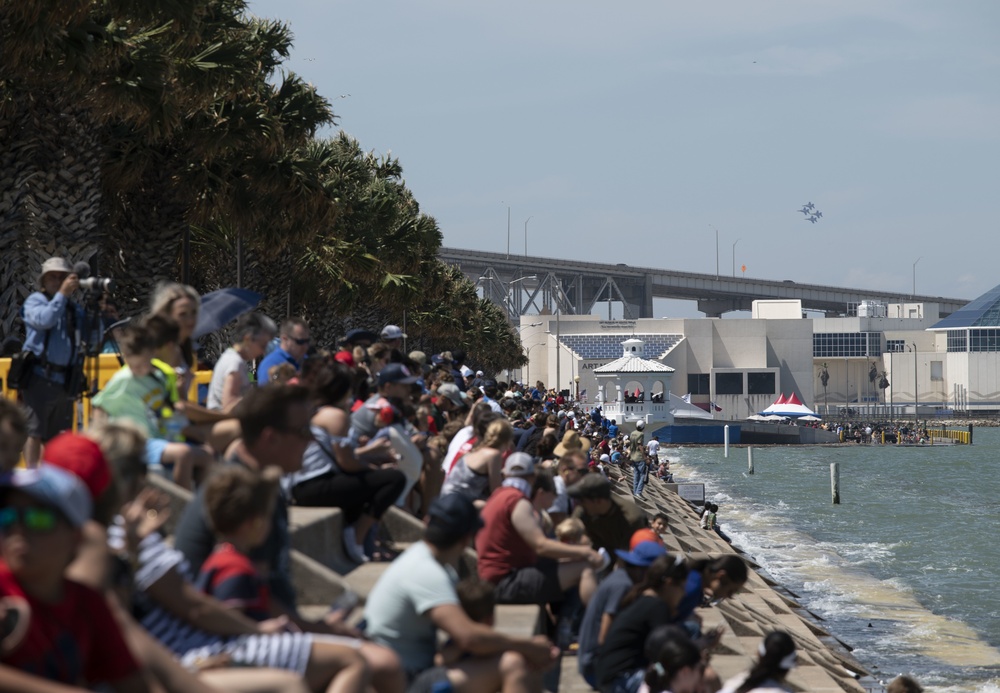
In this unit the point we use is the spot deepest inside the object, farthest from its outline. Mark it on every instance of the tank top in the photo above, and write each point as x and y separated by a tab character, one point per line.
466	482
500	548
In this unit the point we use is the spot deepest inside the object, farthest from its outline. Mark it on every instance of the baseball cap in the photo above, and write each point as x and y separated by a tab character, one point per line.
643	554
54	487
451	391
396	373
605	458
82	457
390	332
359	335
479	373
454	514
641	535
519	464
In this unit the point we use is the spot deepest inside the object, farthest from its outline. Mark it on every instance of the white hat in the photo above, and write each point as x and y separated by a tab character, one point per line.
390	332
479	373
54	264
571	414
639	425
605	458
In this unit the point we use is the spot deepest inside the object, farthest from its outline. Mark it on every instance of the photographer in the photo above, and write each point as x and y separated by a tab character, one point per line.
51	319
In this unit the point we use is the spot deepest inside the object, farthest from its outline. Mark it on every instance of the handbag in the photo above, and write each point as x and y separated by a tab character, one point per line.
22	366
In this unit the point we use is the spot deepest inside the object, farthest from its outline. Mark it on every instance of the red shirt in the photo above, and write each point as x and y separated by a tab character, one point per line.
501	550
231	577
76	641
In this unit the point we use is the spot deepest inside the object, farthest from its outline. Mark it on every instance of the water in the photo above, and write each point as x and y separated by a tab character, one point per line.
910	550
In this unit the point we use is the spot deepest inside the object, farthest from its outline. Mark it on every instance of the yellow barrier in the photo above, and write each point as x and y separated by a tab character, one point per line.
958	436
107	365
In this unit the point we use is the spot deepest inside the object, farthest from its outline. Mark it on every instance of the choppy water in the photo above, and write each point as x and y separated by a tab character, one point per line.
912	548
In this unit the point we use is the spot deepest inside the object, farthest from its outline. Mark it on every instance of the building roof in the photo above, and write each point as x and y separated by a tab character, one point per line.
632	361
981	312
608	346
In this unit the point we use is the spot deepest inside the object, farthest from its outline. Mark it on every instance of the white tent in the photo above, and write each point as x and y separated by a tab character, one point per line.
791	407
682	409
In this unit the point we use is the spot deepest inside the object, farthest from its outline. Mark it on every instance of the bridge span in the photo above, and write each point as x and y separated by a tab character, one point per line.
526	285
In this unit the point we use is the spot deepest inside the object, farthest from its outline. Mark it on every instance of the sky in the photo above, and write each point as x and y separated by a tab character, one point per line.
631	132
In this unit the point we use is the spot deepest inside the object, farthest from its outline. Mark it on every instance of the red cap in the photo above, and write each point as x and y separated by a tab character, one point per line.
345	358
641	535
82	457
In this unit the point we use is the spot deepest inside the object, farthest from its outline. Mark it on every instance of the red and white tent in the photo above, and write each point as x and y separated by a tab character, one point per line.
790	406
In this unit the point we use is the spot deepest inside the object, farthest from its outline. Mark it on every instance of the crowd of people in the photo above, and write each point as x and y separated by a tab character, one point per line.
95	595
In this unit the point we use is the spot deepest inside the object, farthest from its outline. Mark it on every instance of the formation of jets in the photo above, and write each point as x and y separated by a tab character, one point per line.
812	214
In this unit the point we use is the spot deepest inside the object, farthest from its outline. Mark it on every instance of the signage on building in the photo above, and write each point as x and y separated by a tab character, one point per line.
627	325
591	365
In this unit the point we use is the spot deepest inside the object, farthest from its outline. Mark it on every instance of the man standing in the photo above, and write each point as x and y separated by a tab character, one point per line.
637	456
393	336
295	342
51	319
653	451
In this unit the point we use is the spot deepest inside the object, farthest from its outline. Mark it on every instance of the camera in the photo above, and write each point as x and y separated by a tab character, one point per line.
97	284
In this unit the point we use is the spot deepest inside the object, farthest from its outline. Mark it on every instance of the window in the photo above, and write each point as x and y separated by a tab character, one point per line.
698	384
937	370
958	341
847	344
984	340
895	346
760	384
729	383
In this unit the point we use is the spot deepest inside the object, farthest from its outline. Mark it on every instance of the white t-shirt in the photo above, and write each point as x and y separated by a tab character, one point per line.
396	608
229	362
460	439
653	448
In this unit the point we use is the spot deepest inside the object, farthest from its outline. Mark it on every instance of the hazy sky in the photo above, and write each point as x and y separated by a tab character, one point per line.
628	131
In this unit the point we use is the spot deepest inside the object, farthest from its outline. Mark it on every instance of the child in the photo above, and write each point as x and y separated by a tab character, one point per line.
659	523
66	632
572	531
239	503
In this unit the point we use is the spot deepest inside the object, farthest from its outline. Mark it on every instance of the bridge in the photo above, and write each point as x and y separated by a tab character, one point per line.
526	285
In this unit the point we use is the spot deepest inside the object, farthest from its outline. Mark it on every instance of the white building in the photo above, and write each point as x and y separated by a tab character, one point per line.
649	401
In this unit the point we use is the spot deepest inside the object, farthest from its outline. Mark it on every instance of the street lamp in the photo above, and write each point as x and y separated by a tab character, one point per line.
526	234
915	275
734	254
509	294
916	396
527	371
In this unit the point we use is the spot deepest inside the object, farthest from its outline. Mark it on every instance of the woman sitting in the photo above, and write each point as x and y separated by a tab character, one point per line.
478	472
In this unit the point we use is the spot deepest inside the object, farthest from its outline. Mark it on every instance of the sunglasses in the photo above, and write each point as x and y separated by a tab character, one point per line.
301	342
29	519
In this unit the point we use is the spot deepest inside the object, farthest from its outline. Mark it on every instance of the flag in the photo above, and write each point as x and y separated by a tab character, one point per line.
715	407
687	398
583	395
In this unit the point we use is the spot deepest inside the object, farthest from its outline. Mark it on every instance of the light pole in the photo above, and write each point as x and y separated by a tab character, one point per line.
716	251
509	291
734	254
916	396
526	235
915	275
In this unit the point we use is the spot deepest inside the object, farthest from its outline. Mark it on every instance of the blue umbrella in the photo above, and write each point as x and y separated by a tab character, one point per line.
219	308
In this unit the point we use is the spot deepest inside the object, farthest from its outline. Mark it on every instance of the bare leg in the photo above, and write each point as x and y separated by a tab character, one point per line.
361	527
336	668
386	668
508	673
253	680
223	434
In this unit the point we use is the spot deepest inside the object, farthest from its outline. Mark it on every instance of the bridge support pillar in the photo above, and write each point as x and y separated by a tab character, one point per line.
714	308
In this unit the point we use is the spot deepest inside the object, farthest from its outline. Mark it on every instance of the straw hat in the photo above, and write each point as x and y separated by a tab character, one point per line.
571	441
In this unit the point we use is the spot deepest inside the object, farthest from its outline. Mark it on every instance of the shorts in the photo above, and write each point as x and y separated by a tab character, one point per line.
425	681
154	451
289	651
47	407
536	584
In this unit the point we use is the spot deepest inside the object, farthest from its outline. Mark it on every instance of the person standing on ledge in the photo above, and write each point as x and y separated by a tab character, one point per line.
637	456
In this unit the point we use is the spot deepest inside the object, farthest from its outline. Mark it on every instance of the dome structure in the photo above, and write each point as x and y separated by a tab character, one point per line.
633	388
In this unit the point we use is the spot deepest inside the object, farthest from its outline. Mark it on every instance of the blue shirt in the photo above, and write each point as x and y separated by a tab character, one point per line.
605	601
693	596
49	316
275	358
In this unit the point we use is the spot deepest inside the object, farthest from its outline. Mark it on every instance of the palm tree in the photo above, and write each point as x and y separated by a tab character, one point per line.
824	378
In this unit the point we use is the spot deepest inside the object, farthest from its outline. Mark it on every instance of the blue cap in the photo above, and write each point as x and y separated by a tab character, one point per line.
396	373
54	487
643	555
455	514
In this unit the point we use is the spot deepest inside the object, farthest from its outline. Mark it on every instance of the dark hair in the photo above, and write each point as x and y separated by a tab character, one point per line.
663	569
290	324
443	537
135	340
660	516
904	684
777	645
235	494
252	324
546	446
162	329
477	599
331	384
268	406
675	653
543	482
482	415
731	564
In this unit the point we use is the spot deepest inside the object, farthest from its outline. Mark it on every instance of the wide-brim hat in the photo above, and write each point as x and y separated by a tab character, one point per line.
571	440
54	264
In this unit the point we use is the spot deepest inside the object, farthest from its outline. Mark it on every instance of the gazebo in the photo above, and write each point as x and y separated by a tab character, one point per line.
619	403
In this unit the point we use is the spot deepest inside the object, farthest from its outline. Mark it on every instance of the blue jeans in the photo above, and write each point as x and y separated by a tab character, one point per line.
628	682
638	477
